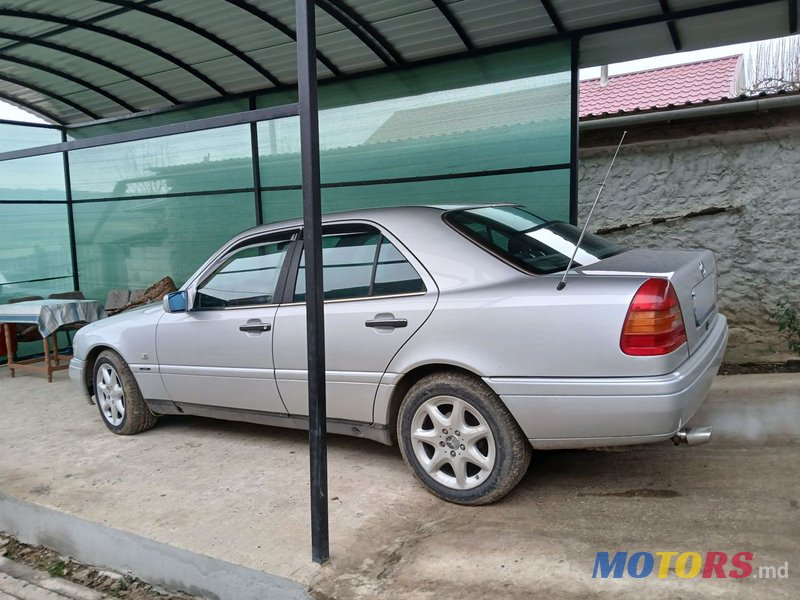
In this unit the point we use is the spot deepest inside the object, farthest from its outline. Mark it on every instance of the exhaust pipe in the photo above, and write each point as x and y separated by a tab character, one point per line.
692	436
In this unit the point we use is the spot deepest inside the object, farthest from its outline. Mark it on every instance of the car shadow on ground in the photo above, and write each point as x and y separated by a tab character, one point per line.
254	432
624	471
645	471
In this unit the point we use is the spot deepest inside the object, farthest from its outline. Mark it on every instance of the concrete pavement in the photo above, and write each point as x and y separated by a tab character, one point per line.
239	493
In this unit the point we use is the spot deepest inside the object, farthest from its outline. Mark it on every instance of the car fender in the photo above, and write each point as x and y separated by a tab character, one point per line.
132	335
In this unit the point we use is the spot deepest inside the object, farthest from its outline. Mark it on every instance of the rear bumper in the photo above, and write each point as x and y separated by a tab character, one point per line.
587	412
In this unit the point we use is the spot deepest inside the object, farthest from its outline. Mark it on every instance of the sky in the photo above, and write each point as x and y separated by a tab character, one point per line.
8	111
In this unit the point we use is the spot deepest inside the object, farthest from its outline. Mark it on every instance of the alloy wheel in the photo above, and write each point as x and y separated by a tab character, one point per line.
453	442
110	395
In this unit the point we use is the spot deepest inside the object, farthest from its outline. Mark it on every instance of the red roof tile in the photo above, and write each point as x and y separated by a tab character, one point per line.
658	88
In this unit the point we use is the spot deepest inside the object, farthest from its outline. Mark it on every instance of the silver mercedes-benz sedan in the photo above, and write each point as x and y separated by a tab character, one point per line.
446	332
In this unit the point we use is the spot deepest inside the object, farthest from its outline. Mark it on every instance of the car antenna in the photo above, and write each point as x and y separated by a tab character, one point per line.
563	283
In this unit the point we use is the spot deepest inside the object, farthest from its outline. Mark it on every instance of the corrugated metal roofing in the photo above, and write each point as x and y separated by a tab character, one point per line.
78	60
700	81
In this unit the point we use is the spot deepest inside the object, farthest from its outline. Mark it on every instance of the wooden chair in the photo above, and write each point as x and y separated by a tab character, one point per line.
76	295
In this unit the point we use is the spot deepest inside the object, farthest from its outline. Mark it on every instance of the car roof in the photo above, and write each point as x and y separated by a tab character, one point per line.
382	215
418	228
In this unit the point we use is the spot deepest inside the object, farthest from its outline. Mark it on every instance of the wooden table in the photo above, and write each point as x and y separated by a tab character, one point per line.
48	316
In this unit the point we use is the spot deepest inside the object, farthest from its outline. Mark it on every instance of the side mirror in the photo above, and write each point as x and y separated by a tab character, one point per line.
175	302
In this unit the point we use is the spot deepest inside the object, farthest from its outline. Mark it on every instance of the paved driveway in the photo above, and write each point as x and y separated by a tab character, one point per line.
239	493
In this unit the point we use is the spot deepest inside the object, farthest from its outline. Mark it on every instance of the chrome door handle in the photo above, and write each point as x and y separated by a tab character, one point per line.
387	323
255	328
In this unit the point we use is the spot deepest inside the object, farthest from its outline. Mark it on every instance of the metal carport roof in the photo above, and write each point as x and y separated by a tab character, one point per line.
75	61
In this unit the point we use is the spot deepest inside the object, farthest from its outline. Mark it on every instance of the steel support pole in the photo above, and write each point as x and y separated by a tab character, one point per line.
312	236
256	165
73	246
575	44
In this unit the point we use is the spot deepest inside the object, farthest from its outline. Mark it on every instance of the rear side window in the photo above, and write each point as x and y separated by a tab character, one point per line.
394	274
361	264
527	241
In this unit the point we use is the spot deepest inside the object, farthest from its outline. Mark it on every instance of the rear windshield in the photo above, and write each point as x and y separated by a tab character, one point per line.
527	241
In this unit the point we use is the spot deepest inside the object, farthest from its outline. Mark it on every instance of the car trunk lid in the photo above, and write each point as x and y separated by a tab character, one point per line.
693	274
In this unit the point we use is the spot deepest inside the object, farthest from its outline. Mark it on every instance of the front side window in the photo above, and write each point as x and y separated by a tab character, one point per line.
361	264
247	278
527	241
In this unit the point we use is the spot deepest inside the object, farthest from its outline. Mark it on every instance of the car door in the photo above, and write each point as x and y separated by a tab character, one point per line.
219	353
376	297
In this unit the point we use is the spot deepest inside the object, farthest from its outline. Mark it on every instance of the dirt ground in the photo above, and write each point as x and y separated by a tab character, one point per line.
239	493
791	366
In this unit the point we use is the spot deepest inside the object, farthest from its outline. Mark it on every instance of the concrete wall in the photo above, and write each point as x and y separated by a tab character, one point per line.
748	166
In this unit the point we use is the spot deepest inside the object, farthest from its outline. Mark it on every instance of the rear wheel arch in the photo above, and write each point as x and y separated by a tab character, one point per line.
408	380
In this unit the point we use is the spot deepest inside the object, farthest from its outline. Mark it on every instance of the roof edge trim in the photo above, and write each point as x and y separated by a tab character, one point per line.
727	107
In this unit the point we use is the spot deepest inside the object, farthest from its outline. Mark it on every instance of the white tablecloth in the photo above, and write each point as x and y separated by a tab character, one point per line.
51	314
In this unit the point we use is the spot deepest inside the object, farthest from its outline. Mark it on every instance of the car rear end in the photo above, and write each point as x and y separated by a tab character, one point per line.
644	375
625	353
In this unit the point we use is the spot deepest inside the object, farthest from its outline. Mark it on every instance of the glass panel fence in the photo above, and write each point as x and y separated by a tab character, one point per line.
542	192
217	159
34	250
132	244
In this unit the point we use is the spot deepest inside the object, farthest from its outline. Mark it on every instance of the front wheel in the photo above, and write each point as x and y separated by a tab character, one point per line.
119	399
460	440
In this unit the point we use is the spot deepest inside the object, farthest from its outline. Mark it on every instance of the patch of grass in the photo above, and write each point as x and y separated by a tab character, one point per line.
57	568
785	315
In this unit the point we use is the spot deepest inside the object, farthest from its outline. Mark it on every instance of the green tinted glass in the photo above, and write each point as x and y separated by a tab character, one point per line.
17	137
279	152
505	111
513	124
543	192
281	205
132	244
218	159
34	250
422	141
34	178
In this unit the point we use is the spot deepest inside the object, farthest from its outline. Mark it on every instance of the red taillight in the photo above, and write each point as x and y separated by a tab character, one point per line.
654	324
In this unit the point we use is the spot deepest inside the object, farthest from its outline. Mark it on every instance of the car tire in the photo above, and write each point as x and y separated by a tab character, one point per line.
118	397
460	440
